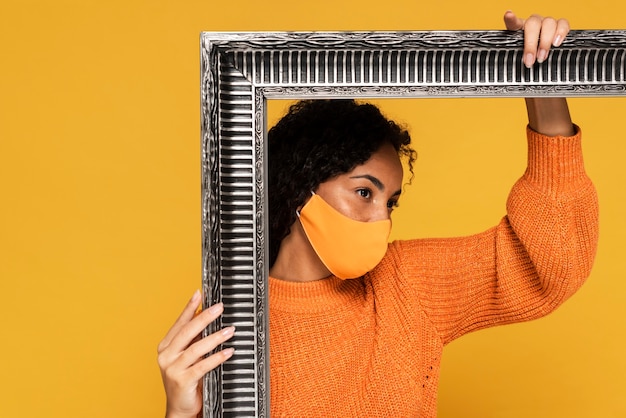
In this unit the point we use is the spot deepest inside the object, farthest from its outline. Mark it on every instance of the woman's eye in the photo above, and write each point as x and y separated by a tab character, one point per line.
365	193
392	204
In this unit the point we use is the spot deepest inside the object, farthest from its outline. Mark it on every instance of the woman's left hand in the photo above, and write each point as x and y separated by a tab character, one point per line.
540	34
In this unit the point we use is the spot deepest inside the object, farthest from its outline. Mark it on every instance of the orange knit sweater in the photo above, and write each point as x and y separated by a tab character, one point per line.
371	347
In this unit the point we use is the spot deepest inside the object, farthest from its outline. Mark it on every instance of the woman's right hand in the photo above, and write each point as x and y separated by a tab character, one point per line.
181	357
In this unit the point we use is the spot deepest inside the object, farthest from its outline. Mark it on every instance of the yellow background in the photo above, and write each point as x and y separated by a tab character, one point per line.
100	203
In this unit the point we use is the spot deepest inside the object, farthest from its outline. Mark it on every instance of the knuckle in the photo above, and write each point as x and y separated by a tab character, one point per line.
193	352
188	332
171	376
213	341
161	361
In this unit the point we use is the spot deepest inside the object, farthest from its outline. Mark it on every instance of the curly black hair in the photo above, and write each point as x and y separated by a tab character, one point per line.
316	141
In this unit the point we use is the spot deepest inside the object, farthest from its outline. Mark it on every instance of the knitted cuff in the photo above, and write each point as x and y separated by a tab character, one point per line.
555	163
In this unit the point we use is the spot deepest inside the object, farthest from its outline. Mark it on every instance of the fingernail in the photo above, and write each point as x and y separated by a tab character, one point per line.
557	40
228	352
541	55
228	331
528	61
196	296
217	308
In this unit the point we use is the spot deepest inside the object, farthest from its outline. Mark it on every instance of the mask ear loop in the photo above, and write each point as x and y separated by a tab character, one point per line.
298	211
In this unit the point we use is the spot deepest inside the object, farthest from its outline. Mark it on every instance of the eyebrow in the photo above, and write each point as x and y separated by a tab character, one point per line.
379	184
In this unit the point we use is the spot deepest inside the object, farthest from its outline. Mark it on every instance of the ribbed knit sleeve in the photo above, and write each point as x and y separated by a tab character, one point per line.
525	267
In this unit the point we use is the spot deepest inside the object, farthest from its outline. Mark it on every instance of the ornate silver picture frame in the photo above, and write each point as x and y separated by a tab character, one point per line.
240	71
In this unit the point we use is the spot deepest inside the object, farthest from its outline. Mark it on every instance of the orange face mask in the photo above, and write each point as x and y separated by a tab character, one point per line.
348	248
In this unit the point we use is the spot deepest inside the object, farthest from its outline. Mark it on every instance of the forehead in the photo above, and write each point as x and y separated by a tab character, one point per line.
385	164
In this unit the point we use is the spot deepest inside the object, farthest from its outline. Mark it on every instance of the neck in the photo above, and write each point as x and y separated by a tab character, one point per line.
297	261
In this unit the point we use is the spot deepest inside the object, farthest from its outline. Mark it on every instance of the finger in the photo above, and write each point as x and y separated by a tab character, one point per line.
546	37
211	362
185	316
512	22
532	29
201	348
562	29
191	329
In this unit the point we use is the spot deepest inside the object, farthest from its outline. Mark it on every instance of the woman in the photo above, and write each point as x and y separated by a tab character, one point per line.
358	327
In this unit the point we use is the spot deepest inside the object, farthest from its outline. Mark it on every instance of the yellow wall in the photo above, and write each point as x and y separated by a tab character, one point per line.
100	204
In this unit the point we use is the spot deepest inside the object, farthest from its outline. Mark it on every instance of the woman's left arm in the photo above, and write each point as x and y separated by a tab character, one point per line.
549	115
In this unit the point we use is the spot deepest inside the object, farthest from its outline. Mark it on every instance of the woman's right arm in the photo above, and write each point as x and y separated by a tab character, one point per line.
181	357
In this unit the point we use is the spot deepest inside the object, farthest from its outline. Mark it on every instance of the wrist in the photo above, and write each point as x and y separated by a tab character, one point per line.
549	116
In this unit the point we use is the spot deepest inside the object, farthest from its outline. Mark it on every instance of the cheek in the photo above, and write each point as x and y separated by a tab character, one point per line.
348	204
343	200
